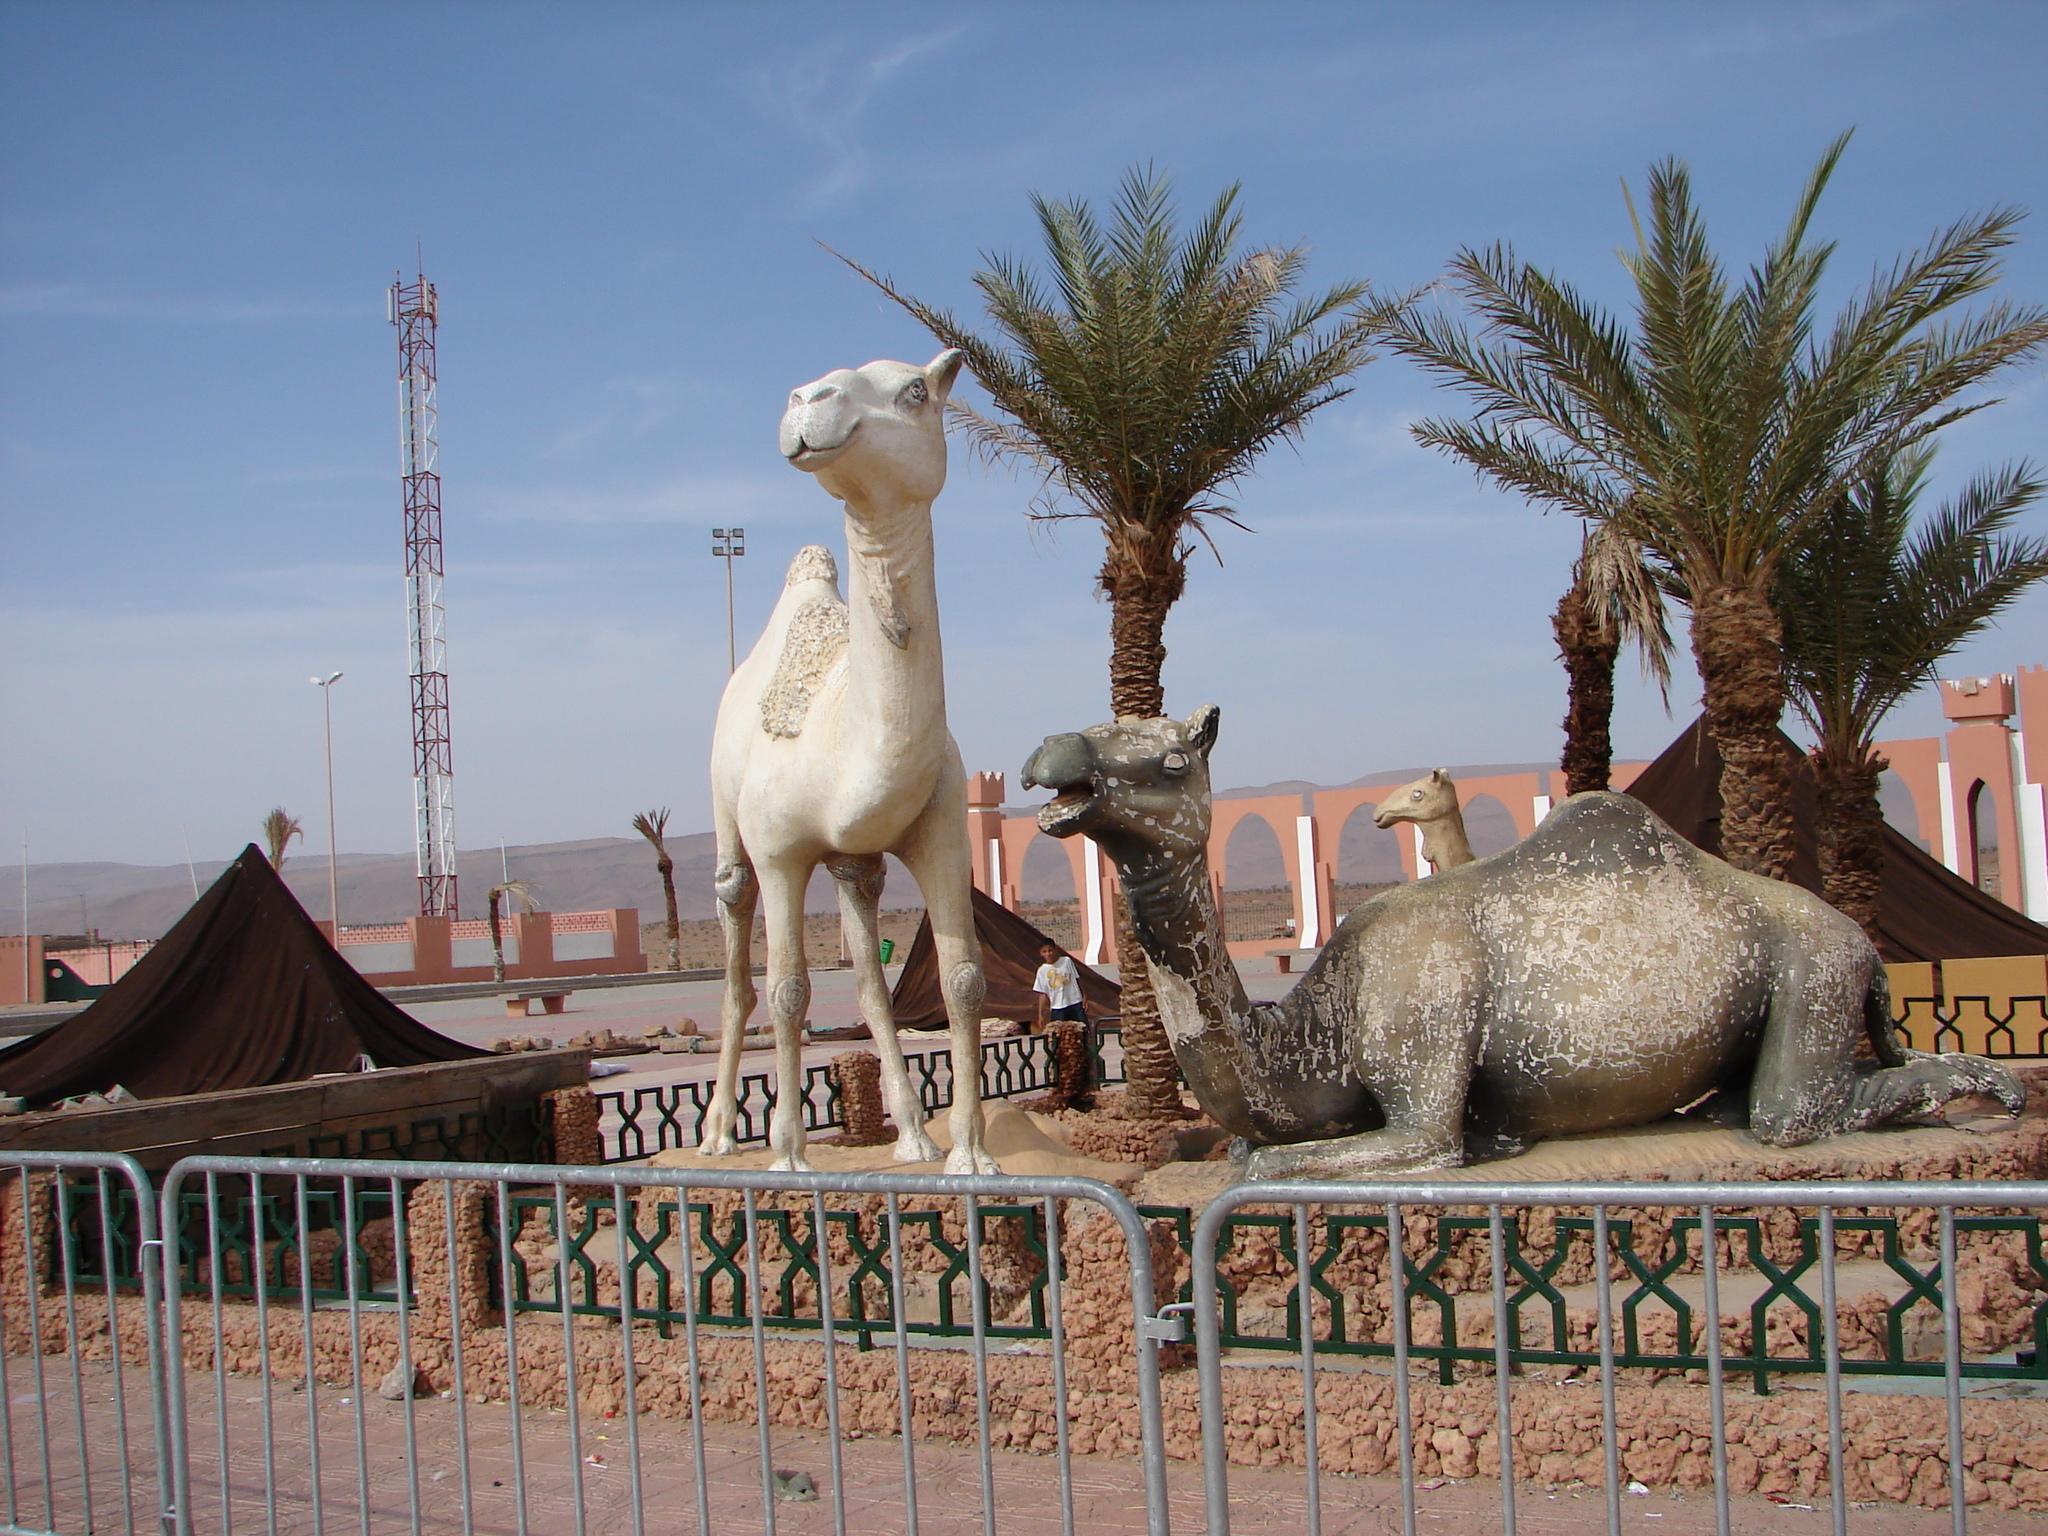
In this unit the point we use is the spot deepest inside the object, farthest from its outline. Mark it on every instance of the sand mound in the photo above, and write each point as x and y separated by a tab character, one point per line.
1018	1140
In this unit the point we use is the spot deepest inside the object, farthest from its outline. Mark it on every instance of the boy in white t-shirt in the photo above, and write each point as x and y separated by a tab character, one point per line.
1058	985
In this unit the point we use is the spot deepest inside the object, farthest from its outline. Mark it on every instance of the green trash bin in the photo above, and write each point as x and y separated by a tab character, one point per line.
888	949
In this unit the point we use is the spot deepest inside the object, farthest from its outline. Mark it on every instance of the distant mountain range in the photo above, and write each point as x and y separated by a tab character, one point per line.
139	901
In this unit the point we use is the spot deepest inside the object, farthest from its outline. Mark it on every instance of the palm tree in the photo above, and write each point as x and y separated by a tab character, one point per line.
278	831
1871	606
1616	595
510	891
1142	379
1722	426
653	825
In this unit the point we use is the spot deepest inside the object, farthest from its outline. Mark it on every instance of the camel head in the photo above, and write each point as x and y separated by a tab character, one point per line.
1428	798
1133	785
874	435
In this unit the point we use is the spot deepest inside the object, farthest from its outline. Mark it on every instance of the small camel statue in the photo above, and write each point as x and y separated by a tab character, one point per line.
1602	972
1431	802
832	748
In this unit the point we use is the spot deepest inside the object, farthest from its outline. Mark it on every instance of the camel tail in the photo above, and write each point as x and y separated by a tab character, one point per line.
1877	1020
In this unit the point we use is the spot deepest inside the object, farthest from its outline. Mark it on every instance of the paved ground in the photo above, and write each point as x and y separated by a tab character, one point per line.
1107	1497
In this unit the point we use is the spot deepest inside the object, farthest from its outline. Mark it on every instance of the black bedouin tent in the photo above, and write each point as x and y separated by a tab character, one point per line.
243	992
1924	912
1009	962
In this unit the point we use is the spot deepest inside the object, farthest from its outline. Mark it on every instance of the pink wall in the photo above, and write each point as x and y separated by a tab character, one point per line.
1981	746
432	940
11	970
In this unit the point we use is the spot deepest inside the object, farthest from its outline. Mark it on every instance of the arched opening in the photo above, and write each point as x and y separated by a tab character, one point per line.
1895	804
1489	826
1368	860
1983	835
1258	903
1045	894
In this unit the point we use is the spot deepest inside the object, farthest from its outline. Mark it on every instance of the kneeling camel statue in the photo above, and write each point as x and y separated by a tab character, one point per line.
1602	972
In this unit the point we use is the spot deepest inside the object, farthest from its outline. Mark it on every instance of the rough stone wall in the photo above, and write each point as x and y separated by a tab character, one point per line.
858	1077
573	1115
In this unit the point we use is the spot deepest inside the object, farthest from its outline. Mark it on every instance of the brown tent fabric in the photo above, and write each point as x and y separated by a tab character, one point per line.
1924	911
1009	961
243	992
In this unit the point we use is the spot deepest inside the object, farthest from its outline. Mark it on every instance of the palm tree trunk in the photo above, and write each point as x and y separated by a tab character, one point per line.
1736	642
1851	833
1589	657
497	942
1137	652
667	866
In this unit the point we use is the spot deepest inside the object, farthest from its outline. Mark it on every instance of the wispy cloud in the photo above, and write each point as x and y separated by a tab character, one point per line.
68	301
683	499
822	96
633	405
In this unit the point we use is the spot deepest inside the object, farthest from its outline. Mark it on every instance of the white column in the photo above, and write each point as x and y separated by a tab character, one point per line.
1422	869
995	871
1951	843
1541	805
1311	934
1091	900
2031	812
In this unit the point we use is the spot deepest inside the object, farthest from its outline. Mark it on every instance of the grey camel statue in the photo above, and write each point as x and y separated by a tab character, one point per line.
1602	972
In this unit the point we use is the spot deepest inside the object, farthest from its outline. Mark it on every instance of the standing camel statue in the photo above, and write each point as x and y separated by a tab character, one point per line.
1602	972
832	749
1431	802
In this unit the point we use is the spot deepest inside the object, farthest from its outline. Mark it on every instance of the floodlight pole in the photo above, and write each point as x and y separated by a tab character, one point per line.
729	544
326	687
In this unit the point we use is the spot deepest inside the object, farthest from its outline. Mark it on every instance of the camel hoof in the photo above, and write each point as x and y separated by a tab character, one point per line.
793	1163
913	1146
1973	1074
971	1160
1269	1163
718	1144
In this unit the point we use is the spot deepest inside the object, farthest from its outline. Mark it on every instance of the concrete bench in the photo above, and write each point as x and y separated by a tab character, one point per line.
520	1004
1288	957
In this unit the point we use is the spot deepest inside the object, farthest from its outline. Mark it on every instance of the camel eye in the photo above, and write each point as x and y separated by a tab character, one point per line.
1416	796
916	393
1175	762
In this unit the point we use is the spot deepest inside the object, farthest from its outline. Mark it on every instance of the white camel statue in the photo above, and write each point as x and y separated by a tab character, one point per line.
832	749
1431	802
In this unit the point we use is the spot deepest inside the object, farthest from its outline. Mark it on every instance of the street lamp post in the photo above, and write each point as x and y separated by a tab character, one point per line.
326	687
728	544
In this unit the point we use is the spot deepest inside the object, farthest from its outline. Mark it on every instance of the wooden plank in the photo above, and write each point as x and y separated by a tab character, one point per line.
198	1120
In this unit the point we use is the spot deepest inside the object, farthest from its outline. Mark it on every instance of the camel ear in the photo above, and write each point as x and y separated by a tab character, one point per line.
1201	728
941	371
1439	775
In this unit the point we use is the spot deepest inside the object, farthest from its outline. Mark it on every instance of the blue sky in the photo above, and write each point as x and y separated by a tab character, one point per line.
622	206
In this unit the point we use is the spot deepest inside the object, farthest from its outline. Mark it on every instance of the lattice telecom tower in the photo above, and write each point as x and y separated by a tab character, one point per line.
415	310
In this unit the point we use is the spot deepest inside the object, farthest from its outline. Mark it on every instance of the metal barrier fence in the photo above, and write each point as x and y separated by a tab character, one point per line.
98	1401
539	1331
1512	1286
457	1228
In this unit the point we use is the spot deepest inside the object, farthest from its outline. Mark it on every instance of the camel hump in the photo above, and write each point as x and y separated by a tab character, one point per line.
813	642
1598	833
813	562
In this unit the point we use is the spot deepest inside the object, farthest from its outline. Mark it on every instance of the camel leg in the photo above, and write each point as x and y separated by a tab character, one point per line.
935	852
789	1000
1424	1129
1808	1083
859	882
737	891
